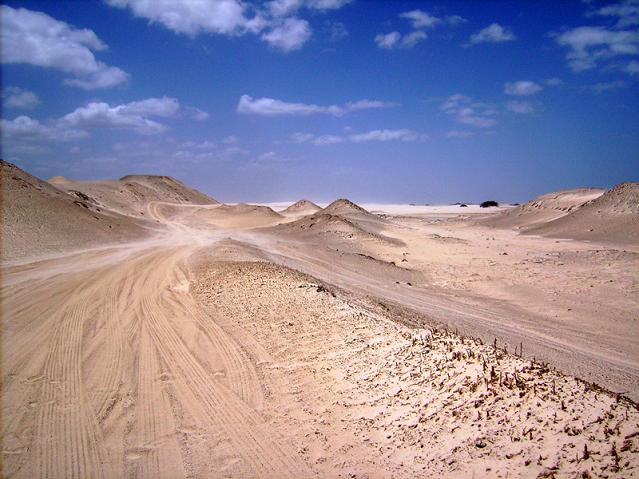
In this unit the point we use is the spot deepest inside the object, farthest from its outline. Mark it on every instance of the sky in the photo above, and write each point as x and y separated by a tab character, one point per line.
377	101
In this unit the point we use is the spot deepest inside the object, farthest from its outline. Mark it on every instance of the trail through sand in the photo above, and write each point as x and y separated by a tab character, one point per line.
198	353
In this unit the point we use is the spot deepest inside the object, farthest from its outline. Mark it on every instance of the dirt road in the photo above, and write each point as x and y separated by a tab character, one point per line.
111	367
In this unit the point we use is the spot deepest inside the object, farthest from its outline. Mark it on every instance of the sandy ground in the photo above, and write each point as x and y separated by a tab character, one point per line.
237	342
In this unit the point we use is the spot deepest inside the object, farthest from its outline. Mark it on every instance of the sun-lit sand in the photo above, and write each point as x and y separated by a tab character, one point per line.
151	331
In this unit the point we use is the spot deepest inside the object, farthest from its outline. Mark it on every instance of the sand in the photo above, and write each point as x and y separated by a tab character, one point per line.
235	341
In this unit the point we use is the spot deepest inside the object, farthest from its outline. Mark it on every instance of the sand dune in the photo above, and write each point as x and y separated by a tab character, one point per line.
130	194
38	218
612	217
345	207
544	208
301	208
240	216
234	341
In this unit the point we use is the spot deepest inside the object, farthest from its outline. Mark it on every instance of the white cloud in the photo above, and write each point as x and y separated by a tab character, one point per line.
373	135
553	81
272	107
196	113
191	17
289	35
413	38
626	12
101	115
14	97
387	135
632	67
387	40
106	78
606	86
163	107
233	17
467	112
395	39
589	45
40	40
459	134
327	140
421	19
129	116
300	137
522	88
326	4
493	33
26	128
280	8
455	20
521	107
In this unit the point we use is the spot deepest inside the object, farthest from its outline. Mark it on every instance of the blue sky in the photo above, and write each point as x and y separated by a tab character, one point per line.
383	101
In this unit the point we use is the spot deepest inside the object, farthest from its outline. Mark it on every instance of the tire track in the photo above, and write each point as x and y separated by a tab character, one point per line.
218	405
69	439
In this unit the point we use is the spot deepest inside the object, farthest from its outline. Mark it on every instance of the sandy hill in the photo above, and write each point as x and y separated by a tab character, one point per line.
301	207
611	217
331	226
544	208
38	218
235	216
130	194
345	207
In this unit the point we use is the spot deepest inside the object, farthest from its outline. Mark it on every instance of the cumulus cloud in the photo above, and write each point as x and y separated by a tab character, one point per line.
14	97
373	135
27	128
522	88
465	111
272	107
395	39
420	18
102	115
291	34
37	39
521	107
191	17
590	45
626	13
387	135
493	33
275	20
196	113
290	7
327	140
388	40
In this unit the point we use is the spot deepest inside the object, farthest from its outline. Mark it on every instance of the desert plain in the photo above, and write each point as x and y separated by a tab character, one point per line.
150	331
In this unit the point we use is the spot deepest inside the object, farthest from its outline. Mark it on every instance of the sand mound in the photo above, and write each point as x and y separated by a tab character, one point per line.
611	217
302	207
130	194
332	226
38	218
235	216
345	207
544	208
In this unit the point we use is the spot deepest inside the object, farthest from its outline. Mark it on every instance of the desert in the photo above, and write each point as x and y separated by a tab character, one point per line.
308	239
161	333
